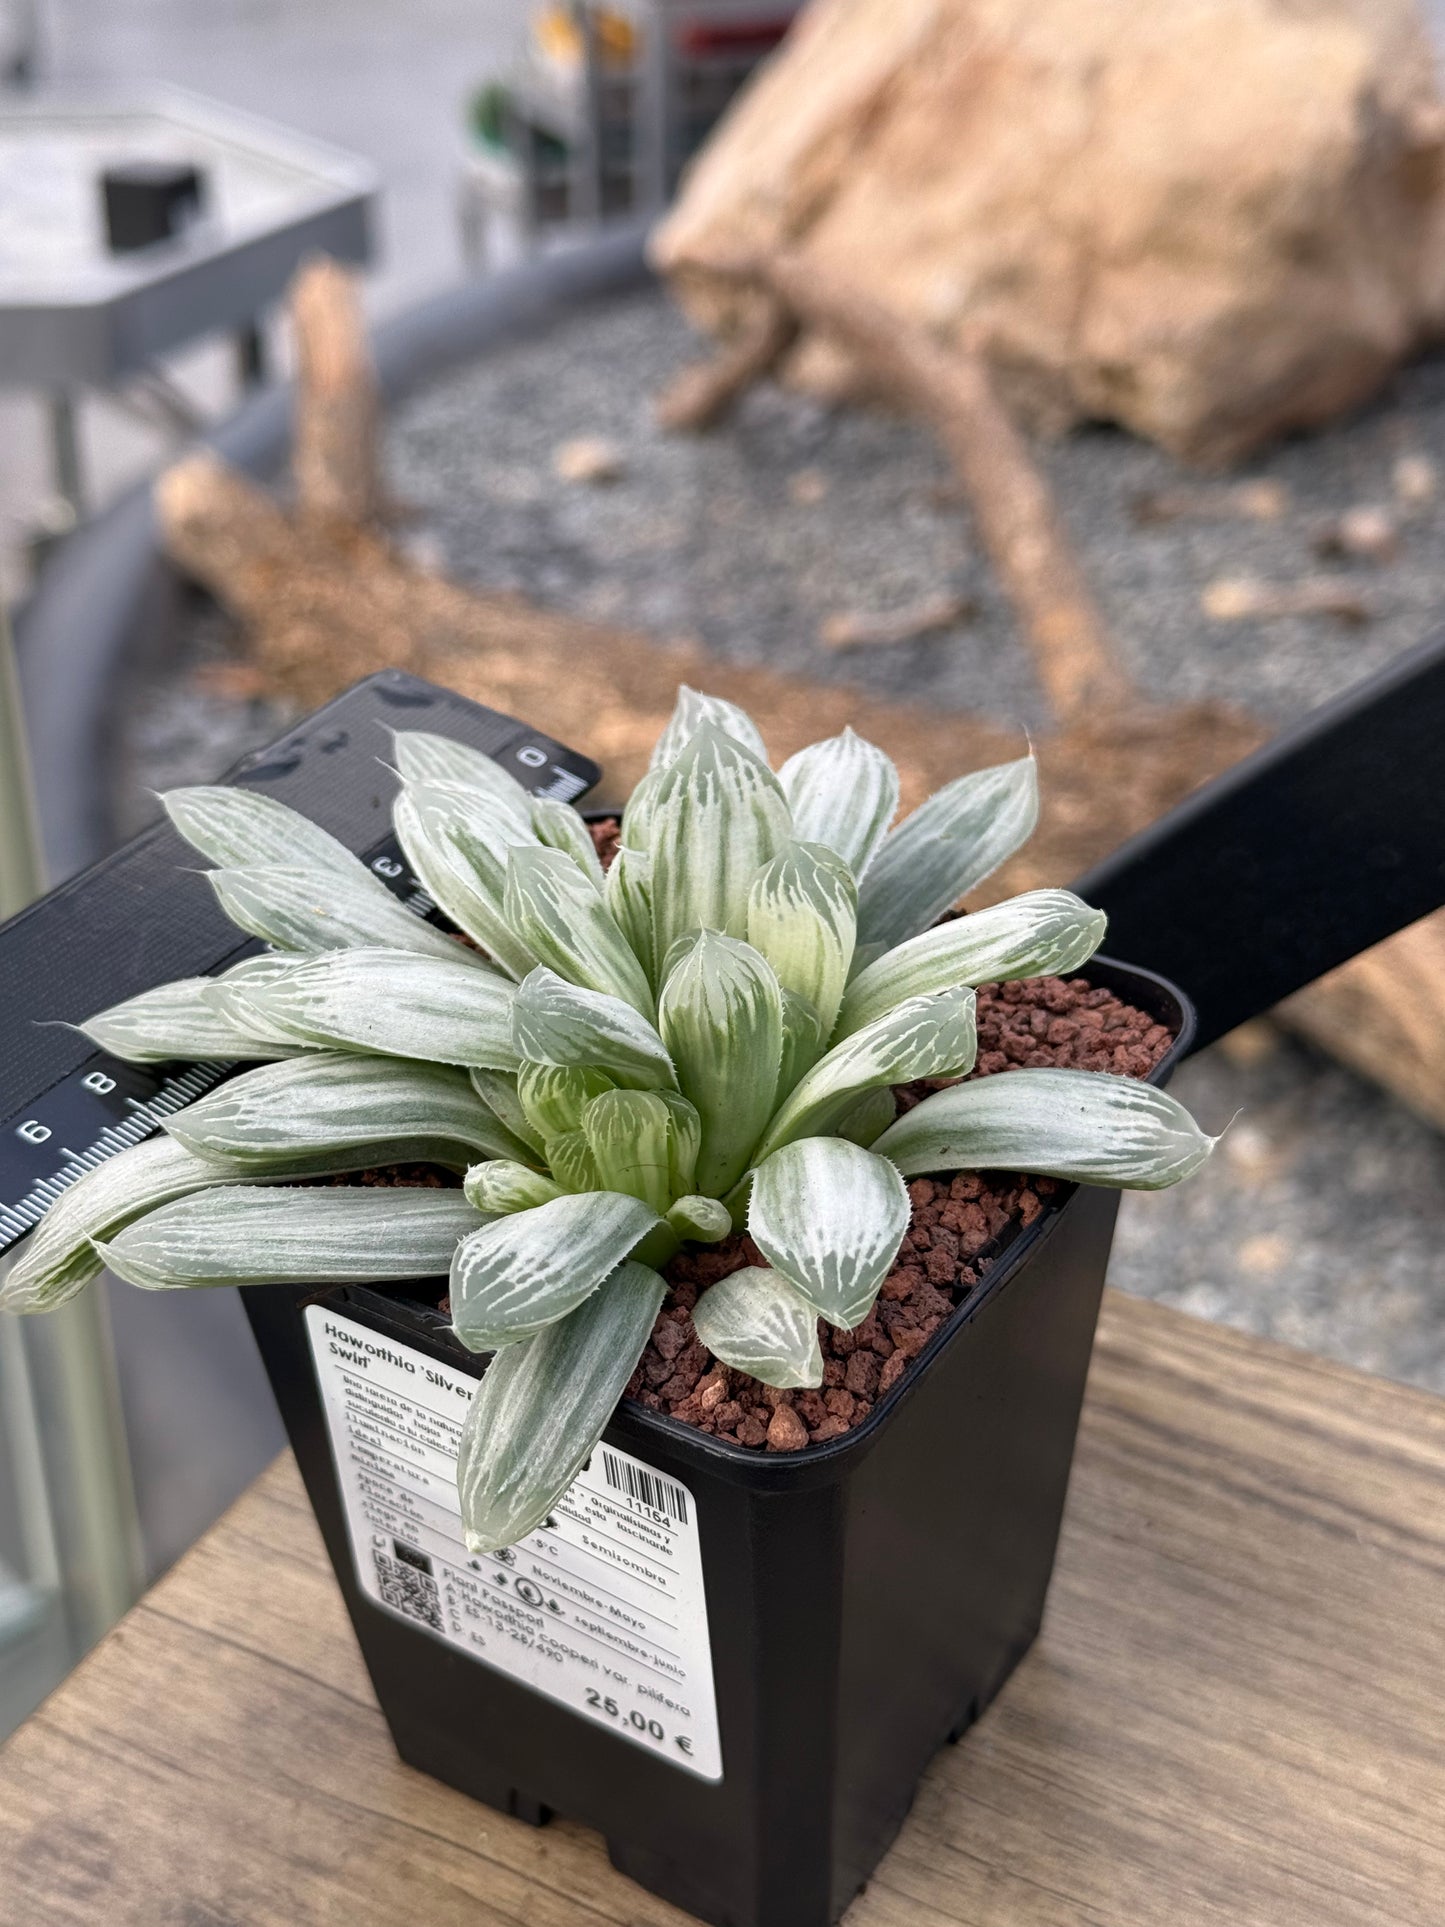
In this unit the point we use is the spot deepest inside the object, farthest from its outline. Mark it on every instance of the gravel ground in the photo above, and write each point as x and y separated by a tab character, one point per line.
749	539
1321	1219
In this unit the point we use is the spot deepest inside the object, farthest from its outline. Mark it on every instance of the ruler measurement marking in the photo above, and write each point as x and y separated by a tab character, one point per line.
545	776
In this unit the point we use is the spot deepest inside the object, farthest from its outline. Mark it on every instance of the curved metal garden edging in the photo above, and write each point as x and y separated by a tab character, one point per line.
104	592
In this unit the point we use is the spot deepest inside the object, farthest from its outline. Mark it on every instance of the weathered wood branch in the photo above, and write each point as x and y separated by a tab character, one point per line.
702	394
334	460
952	393
1383	1014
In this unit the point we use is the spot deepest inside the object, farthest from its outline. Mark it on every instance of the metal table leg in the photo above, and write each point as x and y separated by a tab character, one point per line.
65	449
251	354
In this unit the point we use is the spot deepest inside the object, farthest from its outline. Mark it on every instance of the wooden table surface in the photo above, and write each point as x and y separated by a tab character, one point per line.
1236	1713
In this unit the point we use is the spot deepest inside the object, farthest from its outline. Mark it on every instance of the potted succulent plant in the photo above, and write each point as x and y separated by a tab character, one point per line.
651	1122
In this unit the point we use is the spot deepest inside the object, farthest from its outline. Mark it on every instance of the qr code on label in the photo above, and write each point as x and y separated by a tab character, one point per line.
406	1584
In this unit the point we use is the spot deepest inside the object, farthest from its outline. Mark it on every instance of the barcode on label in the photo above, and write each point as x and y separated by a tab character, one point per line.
648	1488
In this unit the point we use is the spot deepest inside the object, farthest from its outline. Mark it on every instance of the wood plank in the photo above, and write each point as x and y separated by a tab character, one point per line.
1235	1713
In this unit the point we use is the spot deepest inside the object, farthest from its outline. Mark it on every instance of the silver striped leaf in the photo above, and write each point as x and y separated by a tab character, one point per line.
570	1160
387	1110
868	1117
1044	933
240	829
554	1096
309	911
561	918
637	813
561	828
516	1275
542	1406
843	792
230	995
390	1003
423	757
702	1220
1085	1126
757	1322
502	1186
628	895
59	1258
178	1020
253	1235
695	710
644	1143
803	1041
554	1022
721	1017
802	915
498	1091
932	1036
945	849
470	895
830	1217
719	817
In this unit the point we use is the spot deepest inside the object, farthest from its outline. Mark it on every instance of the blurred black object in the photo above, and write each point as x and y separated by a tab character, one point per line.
149	201
1323	843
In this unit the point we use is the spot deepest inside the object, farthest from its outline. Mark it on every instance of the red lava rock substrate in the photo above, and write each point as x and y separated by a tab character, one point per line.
952	1239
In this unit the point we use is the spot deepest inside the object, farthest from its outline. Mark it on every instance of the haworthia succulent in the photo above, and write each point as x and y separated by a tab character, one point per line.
1081	1125
178	1020
694	711
561	828
945	849
802	914
628	895
554	1096
542	1405
391	1109
239	828
705	1220
498	1091
554	1022
570	1160
309	911
1044	933
644	1143
514	1276
469	892
830	1217
843	792
501	1186
757	1322
252	1235
718	818
926	1037
422	757
387	1002
733	909
721	1016
560	916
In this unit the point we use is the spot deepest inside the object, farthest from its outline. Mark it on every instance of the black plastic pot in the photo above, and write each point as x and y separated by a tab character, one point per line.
865	1599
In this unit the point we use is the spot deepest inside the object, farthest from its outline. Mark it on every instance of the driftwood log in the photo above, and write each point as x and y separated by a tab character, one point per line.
325	597
952	392
334	460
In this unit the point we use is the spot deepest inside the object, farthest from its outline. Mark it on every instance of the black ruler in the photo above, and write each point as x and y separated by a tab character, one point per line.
144	916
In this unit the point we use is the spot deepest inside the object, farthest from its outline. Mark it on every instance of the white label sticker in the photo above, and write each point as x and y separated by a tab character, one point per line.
602	1608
